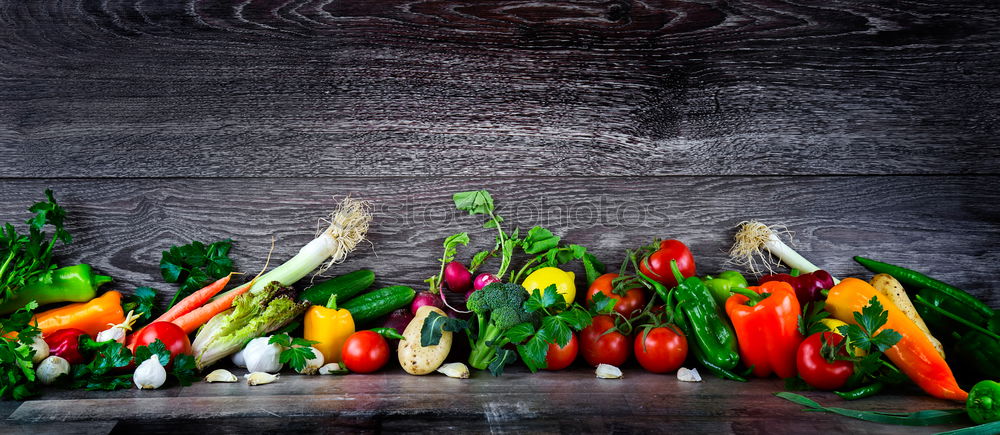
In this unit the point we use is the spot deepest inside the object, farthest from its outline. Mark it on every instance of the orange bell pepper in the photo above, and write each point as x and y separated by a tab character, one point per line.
914	354
767	328
91	317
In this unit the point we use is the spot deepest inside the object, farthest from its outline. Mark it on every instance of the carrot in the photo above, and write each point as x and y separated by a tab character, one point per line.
199	316
194	300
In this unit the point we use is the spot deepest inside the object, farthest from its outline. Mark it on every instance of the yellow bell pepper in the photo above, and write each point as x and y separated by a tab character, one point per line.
546	276
329	327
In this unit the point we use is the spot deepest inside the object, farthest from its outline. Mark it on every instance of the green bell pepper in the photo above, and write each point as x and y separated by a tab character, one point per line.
983	405
708	332
721	284
68	284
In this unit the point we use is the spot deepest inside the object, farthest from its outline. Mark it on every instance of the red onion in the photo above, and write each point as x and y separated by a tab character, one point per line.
398	319
458	278
484	279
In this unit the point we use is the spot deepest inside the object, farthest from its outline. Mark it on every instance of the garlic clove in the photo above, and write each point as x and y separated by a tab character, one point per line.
688	375
51	368
41	349
150	375
260	378
332	369
454	370
608	371
221	375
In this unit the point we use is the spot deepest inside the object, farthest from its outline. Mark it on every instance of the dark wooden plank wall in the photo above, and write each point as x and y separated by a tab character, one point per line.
866	127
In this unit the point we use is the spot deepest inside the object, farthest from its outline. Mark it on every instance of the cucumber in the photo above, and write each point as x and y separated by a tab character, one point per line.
344	286
371	306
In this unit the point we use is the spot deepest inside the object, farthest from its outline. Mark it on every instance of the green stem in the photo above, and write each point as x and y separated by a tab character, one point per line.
517	277
332	302
750	294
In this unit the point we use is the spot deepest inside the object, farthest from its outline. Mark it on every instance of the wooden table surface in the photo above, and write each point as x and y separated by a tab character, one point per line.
866	127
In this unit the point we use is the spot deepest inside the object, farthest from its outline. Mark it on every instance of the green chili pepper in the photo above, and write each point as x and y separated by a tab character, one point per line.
917	280
942	323
706	326
68	284
721	284
983	404
861	392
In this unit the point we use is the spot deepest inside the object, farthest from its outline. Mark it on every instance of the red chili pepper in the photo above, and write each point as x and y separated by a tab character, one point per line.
766	324
65	343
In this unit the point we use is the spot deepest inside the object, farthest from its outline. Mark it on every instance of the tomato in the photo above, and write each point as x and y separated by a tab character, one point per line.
815	369
172	336
612	348
633	301
365	352
657	264
662	350
559	358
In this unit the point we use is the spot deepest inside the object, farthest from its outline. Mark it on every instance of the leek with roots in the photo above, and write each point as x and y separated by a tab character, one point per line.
268	304
754	238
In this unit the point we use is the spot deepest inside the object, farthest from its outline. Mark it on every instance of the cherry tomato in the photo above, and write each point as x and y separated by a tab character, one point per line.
612	348
815	369
365	352
657	264
559	358
662	350
172	336
633	301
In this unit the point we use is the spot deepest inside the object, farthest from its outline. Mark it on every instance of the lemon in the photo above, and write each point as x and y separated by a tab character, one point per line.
546	276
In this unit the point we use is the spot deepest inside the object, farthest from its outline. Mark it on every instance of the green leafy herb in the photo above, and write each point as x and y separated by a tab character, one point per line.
558	322
539	240
143	353
195	265
503	358
296	351
434	324
450	249
99	373
809	320
27	257
481	202
16	369
601	304
184	370
143	301
920	418
865	335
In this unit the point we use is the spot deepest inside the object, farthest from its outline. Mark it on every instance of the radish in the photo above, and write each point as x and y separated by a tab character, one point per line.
425	298
484	279
458	277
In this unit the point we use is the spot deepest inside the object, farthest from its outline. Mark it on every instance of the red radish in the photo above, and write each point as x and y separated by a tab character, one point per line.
469	294
458	278
425	298
483	280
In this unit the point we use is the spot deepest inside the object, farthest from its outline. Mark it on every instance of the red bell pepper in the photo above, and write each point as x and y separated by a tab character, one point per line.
65	343
766	323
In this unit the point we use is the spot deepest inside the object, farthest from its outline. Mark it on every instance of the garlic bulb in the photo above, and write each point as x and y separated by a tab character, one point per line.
41	349
313	364
238	360
262	356
260	378
117	332
150	375
51	368
220	375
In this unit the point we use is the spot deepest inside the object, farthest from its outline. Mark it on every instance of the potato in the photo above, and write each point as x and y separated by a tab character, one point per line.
417	359
888	286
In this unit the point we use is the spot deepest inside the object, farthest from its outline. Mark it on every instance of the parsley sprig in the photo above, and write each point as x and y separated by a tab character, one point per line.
24	257
870	336
295	351
195	265
16	369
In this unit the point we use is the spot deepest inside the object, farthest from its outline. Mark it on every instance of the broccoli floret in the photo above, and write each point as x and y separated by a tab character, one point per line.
498	307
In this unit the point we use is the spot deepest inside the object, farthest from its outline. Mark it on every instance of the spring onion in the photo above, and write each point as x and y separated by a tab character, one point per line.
753	238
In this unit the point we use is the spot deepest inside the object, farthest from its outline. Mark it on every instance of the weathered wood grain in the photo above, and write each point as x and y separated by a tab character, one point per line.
411	87
518	401
944	226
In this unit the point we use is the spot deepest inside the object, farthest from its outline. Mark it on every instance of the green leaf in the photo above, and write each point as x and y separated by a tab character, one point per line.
539	300
920	418
590	269
297	357
474	202
195	265
478	259
520	332
555	330
885	339
539	240
577	318
143	353
600	303
872	316
502	358
533	353
283	340
434	324
184	369
142	301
